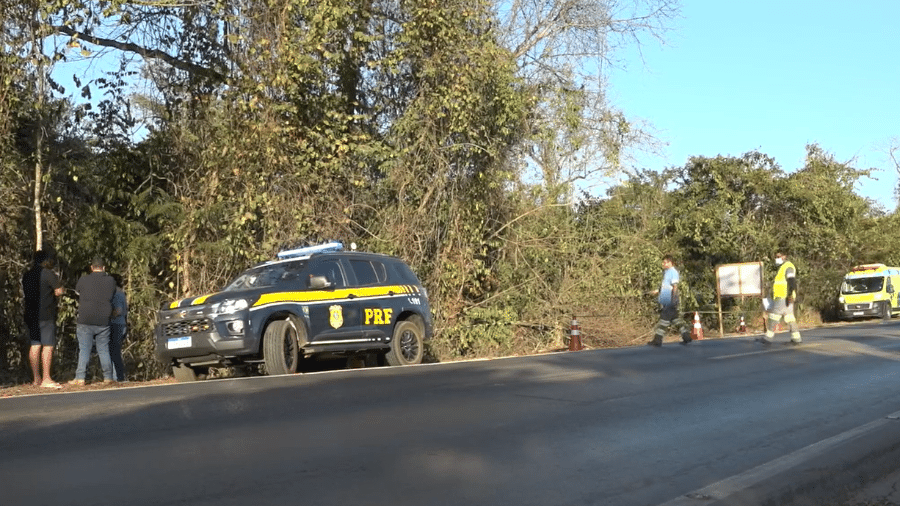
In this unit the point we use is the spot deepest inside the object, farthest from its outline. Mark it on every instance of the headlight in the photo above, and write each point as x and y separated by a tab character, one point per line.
841	299
229	306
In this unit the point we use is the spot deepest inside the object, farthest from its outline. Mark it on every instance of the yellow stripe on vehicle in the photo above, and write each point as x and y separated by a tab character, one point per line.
201	299
193	301
311	296
342	294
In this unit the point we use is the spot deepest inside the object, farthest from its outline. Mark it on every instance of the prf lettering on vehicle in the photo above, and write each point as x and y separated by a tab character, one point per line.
378	316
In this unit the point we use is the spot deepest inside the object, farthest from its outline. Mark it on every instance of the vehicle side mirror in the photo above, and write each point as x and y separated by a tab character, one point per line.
890	289
319	282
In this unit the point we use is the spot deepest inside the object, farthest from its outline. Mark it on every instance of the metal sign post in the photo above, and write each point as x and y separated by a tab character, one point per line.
737	280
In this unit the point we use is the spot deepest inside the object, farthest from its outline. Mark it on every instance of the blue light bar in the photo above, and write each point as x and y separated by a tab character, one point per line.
309	250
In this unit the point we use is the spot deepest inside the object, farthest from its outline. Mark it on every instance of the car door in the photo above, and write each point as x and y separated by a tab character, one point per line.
334	315
377	301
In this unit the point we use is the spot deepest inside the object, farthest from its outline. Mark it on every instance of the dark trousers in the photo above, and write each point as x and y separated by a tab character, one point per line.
669	316
117	336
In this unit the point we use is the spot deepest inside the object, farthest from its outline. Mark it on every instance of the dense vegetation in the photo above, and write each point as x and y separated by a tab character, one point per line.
453	134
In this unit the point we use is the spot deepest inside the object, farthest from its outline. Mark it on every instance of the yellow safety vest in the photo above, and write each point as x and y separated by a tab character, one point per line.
780	285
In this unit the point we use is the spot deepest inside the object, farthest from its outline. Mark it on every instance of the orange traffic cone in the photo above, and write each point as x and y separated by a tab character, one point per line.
697	332
575	336
742	328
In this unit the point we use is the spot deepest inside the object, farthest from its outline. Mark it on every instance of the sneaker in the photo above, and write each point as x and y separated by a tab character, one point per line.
763	340
793	343
654	343
687	341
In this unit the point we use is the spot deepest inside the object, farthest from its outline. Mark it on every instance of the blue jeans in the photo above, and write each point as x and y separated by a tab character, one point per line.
88	336
117	335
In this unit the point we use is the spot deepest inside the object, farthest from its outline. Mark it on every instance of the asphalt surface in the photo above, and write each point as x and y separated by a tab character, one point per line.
882	492
725	421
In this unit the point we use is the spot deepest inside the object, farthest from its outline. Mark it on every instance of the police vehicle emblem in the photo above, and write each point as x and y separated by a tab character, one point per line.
336	316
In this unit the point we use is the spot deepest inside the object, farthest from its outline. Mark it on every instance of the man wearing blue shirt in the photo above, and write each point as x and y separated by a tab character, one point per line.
118	325
668	303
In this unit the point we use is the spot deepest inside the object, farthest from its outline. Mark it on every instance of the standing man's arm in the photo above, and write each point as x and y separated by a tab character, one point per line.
58	289
675	282
792	286
112	296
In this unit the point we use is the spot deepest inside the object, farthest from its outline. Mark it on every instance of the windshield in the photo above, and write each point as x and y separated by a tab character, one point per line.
862	285
280	273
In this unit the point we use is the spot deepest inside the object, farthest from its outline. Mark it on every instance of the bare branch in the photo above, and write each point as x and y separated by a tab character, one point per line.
562	48
145	53
894	153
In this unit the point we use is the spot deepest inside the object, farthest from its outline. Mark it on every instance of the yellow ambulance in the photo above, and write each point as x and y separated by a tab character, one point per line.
870	290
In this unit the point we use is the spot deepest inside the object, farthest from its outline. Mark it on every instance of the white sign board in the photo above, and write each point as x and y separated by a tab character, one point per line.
740	279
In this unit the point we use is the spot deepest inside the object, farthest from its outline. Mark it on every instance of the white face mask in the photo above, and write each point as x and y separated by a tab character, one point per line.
779	261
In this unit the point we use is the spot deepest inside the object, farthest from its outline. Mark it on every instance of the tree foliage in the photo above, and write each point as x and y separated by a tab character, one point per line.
563	50
732	210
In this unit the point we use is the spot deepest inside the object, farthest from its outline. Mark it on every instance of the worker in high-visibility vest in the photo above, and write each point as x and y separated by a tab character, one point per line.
784	293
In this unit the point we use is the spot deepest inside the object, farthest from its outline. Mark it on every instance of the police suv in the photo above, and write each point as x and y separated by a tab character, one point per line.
318	300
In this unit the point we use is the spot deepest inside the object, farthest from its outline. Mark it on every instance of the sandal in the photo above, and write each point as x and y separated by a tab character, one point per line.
51	384
76	382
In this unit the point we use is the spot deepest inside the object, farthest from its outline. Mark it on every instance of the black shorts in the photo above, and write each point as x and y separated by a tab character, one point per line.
42	333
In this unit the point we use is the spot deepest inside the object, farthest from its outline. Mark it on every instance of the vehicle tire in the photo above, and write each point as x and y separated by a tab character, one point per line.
281	347
184	373
407	345
886	310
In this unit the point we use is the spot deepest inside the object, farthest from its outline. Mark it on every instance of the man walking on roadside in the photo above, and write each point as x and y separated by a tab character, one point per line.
784	293
668	302
40	288
95	294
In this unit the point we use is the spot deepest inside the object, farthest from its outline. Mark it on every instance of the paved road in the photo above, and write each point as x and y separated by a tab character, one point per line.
717	422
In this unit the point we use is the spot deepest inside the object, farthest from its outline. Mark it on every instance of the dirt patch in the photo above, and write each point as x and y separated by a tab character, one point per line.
29	389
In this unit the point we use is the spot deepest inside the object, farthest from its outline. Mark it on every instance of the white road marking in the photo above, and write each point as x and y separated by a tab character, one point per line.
724	488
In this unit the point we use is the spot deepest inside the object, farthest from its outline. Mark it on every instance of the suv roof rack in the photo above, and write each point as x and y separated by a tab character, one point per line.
310	250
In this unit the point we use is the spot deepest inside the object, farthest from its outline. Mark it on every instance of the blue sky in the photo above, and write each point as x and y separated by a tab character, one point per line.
773	76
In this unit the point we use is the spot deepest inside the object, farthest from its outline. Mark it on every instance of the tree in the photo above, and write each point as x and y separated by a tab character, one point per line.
721	209
894	155
732	210
22	38
562	49
443	198
822	222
